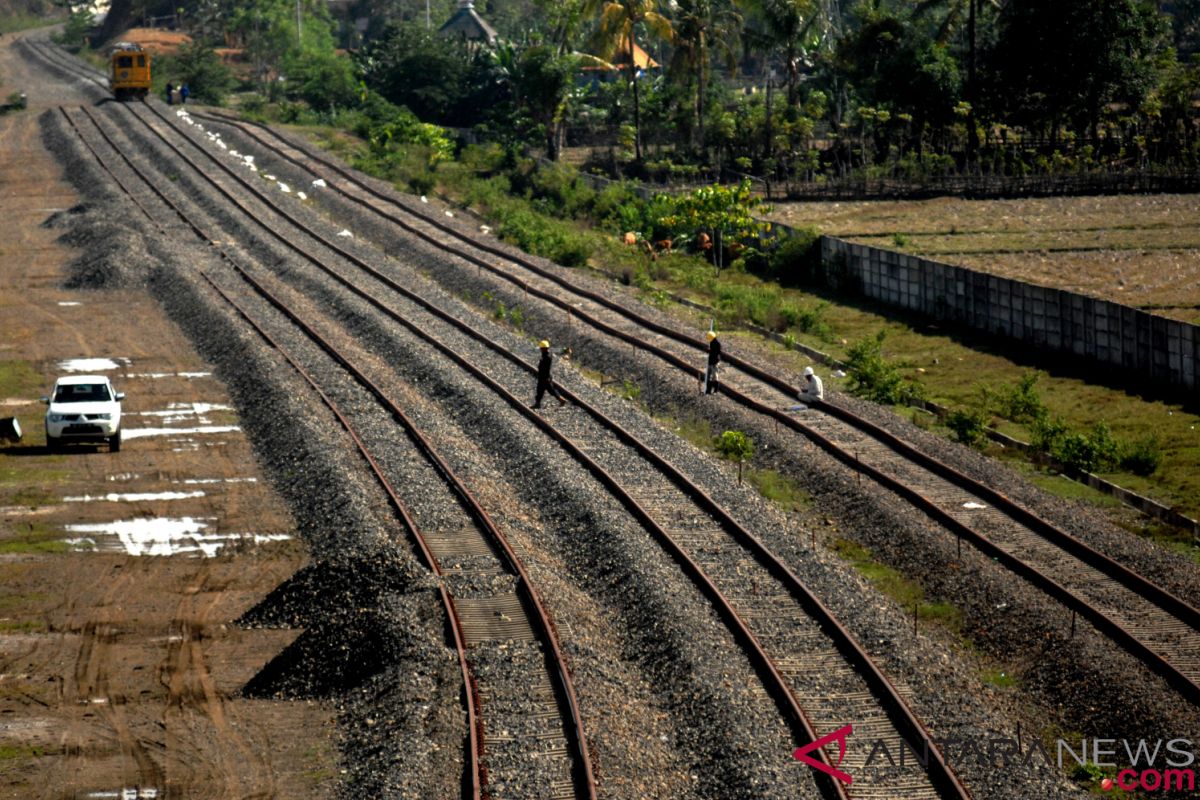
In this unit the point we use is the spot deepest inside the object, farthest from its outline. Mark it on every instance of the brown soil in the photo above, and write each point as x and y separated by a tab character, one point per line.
120	672
1138	250
155	40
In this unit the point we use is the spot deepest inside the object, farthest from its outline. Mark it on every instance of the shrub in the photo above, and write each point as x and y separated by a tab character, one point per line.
1020	403
872	377
735	446
1142	457
1046	433
1097	451
968	425
796	259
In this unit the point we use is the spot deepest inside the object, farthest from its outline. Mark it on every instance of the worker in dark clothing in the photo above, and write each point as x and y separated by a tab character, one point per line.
714	361
545	382
184	94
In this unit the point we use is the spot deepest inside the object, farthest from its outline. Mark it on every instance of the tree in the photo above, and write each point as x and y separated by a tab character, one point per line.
790	29
730	214
619	21
207	78
440	79
542	82
735	446
1065	62
700	25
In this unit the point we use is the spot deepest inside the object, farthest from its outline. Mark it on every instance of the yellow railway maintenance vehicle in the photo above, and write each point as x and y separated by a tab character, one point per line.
129	71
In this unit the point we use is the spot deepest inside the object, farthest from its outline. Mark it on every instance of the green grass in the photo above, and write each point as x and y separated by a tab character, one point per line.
24	22
37	538
10	752
779	489
23	626
1001	679
951	365
907	593
19	379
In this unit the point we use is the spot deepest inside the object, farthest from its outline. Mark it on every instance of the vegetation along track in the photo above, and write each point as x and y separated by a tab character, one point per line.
818	661
541	704
1155	626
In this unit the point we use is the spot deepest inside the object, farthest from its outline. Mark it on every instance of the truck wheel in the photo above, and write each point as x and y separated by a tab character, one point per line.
114	442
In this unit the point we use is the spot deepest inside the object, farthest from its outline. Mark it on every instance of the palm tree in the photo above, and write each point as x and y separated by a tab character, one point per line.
619	20
953	11
699	25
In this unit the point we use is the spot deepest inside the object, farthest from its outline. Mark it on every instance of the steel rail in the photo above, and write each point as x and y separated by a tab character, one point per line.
775	683
941	776
473	774
576	731
1072	544
1131	580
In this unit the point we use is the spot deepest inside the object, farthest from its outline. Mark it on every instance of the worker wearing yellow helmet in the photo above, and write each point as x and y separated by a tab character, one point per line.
714	362
544	381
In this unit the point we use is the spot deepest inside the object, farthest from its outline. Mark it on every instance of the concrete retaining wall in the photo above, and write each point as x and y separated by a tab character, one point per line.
1157	348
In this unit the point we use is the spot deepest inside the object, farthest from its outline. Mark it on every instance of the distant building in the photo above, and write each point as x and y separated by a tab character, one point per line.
467	23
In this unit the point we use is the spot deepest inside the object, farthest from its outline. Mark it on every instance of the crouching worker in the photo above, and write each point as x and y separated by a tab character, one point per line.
544	382
812	391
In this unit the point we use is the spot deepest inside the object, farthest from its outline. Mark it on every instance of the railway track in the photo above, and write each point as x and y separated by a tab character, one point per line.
1160	629
462	546
1149	622
850	686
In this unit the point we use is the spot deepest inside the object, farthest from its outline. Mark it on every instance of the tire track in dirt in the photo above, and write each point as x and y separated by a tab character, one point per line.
91	688
191	688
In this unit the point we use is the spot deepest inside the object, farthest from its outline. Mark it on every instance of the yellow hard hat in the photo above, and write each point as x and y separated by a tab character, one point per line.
711	335
544	344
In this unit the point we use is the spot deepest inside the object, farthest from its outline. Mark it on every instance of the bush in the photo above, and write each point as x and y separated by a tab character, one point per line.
1142	457
1020	403
968	425
872	377
735	446
796	259
1046	433
1094	452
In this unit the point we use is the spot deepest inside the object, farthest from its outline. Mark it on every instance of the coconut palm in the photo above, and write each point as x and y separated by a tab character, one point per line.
619	21
702	25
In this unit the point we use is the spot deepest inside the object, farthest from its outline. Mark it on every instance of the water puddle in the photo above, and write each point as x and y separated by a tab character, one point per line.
91	364
176	412
122	794
205	481
163	537
168	375
67	303
133	497
142	433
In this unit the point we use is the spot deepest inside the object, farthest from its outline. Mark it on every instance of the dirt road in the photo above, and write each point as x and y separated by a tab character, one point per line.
122	574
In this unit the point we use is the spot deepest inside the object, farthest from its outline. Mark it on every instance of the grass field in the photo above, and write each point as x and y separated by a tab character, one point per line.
1139	250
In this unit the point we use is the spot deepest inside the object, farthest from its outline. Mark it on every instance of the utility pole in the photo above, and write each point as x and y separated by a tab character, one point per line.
298	25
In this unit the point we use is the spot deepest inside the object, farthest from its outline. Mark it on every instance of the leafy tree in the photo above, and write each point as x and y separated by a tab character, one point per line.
1064	62
323	79
618	27
700	26
728	213
542	82
790	30
440	79
75	33
735	446
207	77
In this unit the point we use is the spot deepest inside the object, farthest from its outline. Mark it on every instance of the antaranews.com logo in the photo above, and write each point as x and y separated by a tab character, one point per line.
1147	765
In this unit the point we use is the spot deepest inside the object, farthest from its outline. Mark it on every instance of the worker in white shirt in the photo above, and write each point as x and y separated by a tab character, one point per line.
812	391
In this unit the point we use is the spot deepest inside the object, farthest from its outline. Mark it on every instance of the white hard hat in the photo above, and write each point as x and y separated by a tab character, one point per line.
808	370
